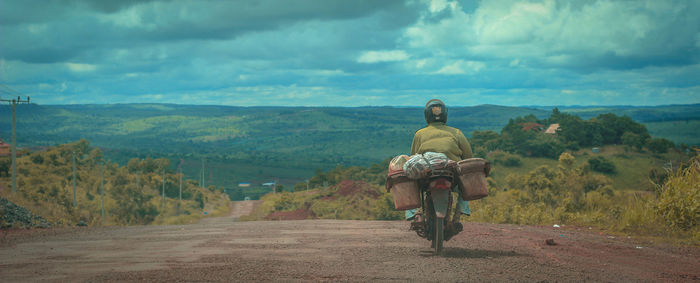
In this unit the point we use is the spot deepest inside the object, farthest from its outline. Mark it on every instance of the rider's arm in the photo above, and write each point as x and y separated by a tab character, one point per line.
415	145
464	146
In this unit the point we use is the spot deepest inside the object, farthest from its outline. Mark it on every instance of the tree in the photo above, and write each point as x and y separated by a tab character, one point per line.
633	140
544	145
613	127
660	145
487	139
199	198
133	204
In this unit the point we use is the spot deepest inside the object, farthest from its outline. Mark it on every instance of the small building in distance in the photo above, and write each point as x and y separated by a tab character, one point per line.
553	129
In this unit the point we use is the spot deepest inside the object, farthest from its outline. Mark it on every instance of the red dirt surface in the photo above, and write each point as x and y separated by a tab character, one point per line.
299	214
224	250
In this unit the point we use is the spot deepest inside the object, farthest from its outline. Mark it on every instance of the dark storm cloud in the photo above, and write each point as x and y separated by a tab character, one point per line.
70	28
338	52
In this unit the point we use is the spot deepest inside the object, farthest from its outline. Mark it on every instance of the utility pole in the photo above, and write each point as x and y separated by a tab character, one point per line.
202	175
164	187
103	192
75	199
13	147
180	198
179	202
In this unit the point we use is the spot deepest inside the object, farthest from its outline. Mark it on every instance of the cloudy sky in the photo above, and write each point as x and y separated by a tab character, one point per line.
351	52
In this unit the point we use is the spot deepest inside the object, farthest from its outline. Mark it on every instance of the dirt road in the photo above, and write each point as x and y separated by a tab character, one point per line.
221	249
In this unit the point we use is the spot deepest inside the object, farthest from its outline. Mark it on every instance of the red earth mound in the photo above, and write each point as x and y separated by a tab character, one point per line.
351	188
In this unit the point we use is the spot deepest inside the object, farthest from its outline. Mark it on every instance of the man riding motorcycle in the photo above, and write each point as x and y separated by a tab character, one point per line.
438	137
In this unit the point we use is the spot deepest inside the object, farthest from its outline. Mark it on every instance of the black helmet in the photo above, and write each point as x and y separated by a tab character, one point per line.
435	111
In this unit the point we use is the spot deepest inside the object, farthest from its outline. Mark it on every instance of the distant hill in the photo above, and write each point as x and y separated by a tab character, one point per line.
642	114
261	144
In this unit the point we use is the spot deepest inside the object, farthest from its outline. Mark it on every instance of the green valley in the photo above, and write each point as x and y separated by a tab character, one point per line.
286	145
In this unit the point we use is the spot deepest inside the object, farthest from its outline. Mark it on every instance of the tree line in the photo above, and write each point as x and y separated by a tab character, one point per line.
526	135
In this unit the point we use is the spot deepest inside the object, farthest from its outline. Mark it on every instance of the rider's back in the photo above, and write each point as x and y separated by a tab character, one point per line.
438	137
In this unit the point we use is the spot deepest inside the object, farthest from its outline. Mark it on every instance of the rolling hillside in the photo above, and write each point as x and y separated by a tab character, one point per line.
286	144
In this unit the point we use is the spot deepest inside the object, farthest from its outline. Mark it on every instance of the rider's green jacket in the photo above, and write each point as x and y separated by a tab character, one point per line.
438	137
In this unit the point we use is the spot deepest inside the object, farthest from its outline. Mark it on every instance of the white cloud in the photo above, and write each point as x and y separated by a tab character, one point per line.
568	30
436	6
461	68
455	31
36	28
516	23
421	63
152	97
78	67
382	56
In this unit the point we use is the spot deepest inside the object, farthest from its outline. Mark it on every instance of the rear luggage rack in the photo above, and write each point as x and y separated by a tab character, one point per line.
441	173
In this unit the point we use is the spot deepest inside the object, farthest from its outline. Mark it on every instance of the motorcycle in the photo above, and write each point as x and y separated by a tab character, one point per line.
438	220
429	186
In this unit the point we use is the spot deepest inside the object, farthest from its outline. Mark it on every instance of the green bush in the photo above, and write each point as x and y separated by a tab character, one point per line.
512	162
505	158
633	140
601	164
660	145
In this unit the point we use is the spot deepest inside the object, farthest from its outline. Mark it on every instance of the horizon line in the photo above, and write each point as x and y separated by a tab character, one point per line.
365	106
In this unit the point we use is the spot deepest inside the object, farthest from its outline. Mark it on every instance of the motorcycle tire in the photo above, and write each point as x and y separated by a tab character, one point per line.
439	235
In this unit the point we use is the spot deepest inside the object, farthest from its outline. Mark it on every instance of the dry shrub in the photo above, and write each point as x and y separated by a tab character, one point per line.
679	197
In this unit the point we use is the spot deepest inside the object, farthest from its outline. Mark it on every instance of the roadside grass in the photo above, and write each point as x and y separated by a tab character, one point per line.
500	172
190	213
632	168
366	202
132	194
540	192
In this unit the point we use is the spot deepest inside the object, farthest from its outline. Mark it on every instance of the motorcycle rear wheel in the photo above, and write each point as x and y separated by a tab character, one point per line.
439	235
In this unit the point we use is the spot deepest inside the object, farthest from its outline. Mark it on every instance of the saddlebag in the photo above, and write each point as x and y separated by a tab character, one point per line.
404	190
472	174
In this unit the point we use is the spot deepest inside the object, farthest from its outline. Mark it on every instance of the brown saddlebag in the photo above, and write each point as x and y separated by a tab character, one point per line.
404	190
472	174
